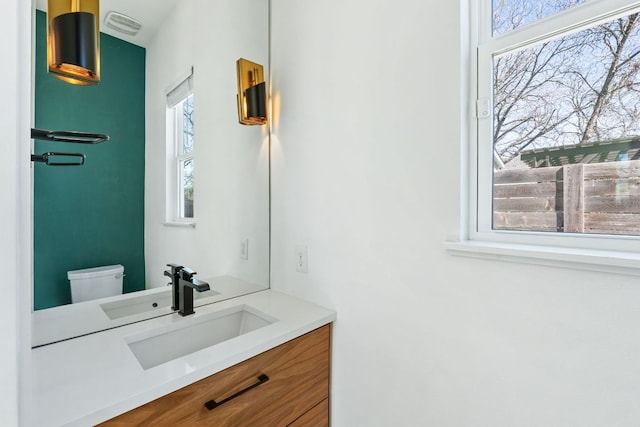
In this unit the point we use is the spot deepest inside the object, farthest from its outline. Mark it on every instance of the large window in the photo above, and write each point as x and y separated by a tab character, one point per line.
180	152
558	122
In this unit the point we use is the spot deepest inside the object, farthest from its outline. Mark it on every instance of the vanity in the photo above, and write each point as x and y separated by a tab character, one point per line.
295	390
258	359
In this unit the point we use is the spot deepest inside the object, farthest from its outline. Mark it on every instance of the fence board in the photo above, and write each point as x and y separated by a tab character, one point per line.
573	198
516	176
613	204
532	221
627	169
611	223
525	205
612	187
543	189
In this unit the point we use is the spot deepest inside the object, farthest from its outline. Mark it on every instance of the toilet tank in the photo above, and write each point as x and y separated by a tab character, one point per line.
96	282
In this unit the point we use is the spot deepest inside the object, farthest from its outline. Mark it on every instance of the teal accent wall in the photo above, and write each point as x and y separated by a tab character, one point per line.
91	215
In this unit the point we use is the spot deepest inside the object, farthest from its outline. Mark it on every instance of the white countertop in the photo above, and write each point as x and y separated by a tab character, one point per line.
90	379
60	323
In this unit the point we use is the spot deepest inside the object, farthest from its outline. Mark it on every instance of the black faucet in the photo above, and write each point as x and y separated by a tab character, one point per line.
186	284
175	277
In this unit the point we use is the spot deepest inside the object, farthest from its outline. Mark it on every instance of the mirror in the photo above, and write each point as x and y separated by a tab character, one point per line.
113	209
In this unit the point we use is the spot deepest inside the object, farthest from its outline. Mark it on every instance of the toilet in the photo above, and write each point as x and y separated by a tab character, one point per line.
96	282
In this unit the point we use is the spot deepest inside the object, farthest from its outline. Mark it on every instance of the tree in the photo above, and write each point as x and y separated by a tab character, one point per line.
619	77
582	87
187	147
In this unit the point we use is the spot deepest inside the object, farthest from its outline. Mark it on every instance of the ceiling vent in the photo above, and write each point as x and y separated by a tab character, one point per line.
122	23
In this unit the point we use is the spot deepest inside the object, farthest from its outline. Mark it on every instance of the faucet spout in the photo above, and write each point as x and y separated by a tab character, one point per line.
198	285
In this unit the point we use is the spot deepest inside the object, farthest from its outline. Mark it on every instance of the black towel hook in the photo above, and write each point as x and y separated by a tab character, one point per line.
46	159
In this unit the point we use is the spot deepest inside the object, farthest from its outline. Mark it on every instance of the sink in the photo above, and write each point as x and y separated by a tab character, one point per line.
145	303
189	335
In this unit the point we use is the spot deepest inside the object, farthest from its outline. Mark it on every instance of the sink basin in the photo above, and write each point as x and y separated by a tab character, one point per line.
145	303
162	345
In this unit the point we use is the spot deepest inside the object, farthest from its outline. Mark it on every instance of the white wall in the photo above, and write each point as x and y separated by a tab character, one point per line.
231	161
15	234
366	172
8	219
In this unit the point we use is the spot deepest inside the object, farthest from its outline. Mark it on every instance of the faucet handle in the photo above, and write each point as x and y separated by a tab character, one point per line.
187	273
175	268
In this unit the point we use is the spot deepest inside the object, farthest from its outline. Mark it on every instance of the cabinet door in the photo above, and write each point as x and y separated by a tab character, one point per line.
298	379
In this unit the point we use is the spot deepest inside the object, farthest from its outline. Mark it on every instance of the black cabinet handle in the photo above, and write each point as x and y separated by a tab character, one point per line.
212	404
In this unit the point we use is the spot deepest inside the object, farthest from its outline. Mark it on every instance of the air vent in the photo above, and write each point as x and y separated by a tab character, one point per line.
122	23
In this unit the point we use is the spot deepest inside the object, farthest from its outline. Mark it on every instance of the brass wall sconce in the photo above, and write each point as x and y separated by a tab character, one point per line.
73	40
252	93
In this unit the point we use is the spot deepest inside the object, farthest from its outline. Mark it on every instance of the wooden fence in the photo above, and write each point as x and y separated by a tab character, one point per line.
578	198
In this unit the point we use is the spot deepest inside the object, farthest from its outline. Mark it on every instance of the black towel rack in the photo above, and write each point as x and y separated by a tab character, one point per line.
68	136
64	136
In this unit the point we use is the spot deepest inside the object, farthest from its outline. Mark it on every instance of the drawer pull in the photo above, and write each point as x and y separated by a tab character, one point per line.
212	404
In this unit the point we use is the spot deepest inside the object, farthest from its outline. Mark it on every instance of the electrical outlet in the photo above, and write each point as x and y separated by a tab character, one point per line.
302	262
244	249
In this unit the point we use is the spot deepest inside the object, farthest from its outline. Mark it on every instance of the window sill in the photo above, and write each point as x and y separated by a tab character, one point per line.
182	224
573	258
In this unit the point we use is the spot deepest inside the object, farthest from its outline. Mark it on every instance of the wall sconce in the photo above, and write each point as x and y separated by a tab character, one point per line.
252	93
73	40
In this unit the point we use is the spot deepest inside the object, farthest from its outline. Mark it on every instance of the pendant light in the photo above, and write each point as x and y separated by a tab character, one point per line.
73	40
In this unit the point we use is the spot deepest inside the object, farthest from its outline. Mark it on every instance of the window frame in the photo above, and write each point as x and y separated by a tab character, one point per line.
617	253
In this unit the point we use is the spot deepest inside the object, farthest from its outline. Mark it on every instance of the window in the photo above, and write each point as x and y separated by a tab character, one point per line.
184	157
558	123
180	153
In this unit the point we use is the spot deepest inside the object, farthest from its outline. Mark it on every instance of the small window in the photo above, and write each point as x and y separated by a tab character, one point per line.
558	121
184	158
180	153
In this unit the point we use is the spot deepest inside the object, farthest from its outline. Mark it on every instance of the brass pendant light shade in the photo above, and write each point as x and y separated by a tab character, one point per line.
73	40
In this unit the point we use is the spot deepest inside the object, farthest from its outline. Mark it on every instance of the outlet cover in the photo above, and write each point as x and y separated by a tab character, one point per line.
244	249
302	261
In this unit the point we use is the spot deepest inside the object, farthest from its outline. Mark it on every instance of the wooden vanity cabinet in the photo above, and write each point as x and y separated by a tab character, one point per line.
314	417
296	392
